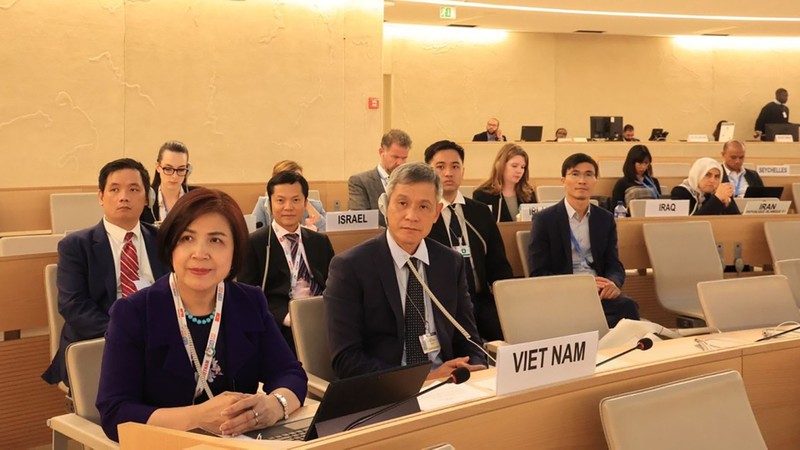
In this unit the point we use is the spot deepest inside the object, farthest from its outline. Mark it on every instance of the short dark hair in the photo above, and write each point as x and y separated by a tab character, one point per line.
177	147
122	164
196	203
578	158
627	127
287	178
438	146
637	154
781	91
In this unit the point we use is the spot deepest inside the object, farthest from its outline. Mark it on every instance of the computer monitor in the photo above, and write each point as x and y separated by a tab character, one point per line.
607	128
531	133
658	134
771	129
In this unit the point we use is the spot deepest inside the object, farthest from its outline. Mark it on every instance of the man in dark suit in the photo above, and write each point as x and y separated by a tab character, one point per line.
110	260
366	187
468	227
733	170
378	312
297	265
574	236
773	112
492	133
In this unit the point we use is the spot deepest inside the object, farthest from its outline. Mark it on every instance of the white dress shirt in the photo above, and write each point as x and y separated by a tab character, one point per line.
580	229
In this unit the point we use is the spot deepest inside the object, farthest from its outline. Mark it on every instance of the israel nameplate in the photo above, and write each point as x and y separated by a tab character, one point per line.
534	364
351	220
767	207
527	210
774	171
666	208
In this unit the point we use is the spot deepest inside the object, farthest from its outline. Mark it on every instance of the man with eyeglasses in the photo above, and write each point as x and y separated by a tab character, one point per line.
110	260
492	133
574	236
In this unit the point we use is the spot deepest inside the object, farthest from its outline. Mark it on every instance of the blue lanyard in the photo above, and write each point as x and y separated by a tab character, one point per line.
578	248
737	184
651	186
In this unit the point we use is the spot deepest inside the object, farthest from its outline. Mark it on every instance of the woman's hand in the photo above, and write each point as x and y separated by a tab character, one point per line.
209	414
724	192
253	412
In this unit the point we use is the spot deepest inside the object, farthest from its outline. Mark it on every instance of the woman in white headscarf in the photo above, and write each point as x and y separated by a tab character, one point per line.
706	194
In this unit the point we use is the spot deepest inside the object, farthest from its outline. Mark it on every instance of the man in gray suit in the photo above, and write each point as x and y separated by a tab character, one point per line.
365	187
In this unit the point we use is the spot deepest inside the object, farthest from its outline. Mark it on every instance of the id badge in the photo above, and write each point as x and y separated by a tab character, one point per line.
463	250
785	116
429	342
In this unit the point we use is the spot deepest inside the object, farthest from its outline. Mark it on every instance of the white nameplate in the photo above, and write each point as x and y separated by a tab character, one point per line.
564	139
534	364
527	210
666	208
774	171
351	220
762	207
784	138
697	138
580	139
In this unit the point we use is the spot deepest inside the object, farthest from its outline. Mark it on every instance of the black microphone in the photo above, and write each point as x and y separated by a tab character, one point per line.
643	344
457	376
773	336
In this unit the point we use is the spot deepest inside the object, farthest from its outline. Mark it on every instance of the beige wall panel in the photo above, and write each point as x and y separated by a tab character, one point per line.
62	90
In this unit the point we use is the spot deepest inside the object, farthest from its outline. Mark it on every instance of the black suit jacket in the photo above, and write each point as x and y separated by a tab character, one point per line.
151	213
87	286
550	251
365	314
319	252
488	252
493	200
484	137
771	113
751	176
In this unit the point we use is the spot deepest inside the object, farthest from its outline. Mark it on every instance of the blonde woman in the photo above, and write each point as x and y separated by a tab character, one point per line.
507	186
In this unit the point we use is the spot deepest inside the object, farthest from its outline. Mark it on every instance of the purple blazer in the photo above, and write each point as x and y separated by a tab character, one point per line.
145	366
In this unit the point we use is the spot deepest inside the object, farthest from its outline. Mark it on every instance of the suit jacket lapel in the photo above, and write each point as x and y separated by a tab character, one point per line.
151	245
313	247
597	237
562	224
104	259
383	258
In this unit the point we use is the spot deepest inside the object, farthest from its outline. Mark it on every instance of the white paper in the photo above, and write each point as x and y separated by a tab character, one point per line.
450	394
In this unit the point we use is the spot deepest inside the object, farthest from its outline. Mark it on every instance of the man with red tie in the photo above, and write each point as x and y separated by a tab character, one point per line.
110	260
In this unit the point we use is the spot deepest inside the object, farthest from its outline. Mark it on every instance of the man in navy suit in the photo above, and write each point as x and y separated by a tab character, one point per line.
574	236
379	315
288	197
90	273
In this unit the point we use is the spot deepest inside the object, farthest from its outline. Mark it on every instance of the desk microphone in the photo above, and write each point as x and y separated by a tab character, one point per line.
772	336
643	344
457	376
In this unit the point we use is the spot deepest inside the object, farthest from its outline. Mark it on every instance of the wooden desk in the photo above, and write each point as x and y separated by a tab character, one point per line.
564	415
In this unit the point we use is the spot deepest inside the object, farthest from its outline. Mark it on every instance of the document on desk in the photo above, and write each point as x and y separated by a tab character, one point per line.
451	394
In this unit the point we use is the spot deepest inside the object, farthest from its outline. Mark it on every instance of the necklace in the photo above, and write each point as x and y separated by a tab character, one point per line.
203	320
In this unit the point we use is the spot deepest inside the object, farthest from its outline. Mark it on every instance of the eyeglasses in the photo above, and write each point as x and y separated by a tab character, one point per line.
181	171
586	176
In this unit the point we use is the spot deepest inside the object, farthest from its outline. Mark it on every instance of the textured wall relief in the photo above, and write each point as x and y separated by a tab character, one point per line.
120	76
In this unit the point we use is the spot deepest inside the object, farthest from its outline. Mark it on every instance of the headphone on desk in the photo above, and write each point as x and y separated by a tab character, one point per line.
268	210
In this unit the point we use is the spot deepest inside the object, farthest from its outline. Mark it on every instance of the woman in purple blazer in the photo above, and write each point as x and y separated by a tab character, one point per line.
197	320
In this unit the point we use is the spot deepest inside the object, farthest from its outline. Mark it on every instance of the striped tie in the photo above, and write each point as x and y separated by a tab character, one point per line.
302	272
128	266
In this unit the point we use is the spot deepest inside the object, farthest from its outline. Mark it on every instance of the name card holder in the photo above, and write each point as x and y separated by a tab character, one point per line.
784	138
527	210
538	363
774	170
697	138
769	207
352	220
666	208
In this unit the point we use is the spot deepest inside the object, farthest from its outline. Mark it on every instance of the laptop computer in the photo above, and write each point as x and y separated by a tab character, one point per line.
763	191
531	133
349	399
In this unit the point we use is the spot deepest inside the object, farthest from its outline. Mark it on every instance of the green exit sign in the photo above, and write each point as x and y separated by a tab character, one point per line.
447	12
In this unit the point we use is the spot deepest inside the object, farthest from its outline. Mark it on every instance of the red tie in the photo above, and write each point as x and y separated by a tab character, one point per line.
128	266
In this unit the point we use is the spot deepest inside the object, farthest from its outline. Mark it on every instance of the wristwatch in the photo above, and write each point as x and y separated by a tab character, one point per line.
283	403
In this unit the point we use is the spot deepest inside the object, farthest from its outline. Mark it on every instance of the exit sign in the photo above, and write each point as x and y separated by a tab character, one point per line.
447	12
